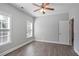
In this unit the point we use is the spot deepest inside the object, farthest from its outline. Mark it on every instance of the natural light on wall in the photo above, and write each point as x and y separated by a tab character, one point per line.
4	29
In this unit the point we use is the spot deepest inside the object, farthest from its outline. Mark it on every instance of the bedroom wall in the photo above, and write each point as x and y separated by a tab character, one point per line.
18	26
46	27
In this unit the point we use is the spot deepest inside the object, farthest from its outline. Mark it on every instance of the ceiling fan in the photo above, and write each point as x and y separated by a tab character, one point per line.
43	7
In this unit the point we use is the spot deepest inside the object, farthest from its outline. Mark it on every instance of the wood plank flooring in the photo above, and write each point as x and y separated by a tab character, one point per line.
43	49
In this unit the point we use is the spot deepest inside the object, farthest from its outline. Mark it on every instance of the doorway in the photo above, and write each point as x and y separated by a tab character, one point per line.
72	20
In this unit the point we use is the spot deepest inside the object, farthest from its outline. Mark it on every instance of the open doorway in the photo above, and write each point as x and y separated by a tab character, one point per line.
72	26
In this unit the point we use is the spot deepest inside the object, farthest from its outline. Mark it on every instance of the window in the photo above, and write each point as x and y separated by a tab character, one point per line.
4	29
29	29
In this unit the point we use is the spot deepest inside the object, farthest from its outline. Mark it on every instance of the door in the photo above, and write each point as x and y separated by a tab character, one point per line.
64	32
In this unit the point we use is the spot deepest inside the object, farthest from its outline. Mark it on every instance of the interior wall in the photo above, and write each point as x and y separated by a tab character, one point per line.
46	27
74	13
18	26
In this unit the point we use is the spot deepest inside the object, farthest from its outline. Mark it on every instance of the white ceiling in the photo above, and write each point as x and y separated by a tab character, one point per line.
59	8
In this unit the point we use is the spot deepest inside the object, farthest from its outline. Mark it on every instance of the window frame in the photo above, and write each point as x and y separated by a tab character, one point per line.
7	30
31	30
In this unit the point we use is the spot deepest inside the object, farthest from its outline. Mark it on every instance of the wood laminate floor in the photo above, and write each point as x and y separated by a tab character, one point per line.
43	49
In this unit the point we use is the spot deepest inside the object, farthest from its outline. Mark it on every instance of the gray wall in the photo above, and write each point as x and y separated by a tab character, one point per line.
46	27
18	27
74	12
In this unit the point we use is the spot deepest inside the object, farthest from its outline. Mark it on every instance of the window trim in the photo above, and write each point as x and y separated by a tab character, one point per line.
31	34
6	29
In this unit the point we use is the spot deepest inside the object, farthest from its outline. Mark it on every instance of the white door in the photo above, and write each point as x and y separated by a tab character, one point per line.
64	32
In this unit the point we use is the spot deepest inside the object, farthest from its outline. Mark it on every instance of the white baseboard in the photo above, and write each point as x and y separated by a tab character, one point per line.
51	42
76	51
12	49
46	41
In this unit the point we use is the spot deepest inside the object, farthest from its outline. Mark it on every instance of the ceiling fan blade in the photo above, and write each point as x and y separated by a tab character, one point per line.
36	10
50	8
47	4
42	5
36	5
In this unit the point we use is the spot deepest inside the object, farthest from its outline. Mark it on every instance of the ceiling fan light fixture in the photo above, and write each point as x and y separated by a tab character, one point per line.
42	10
